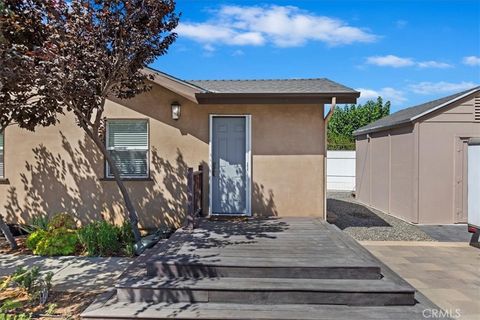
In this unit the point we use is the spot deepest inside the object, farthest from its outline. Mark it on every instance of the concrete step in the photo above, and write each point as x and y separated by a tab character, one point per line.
216	311
266	291
236	268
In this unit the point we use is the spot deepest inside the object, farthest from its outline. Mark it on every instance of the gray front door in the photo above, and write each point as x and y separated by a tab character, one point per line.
229	187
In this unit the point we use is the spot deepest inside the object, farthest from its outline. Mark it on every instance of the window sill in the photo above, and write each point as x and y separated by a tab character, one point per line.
4	181
128	179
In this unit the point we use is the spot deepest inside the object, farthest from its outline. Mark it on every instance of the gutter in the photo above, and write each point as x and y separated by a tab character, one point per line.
274	97
326	120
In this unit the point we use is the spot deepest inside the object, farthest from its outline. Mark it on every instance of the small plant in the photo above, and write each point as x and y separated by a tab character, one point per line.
10	305
101	238
57	242
51	309
30	282
62	220
40	222
21	316
59	238
36	285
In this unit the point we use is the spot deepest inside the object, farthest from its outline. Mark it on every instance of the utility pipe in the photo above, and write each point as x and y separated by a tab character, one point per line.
326	120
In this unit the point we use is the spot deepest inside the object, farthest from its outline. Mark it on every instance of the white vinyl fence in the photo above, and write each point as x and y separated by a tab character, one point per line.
341	170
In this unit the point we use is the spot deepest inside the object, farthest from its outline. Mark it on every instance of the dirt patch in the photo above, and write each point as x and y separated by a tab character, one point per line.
22	247
63	305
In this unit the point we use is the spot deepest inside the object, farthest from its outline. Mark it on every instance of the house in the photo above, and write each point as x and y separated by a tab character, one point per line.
413	163
261	144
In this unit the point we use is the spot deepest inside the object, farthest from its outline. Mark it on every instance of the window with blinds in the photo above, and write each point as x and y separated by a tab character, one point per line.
2	161
127	143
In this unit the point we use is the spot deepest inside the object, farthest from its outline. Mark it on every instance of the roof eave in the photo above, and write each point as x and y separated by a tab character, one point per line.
182	88
276	98
449	102
360	132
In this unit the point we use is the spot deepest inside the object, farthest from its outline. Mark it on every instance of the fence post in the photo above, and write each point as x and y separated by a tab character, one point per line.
190	218
200	181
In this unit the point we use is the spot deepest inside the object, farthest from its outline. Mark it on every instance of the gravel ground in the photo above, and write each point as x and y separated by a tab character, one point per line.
367	224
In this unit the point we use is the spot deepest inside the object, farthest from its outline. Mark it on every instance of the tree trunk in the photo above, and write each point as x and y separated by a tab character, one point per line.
8	235
132	213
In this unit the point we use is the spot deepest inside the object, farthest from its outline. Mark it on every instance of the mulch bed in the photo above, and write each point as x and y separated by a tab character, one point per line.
68	305
22	248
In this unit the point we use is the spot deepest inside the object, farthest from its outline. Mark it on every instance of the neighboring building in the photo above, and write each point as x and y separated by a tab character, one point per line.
261	143
413	163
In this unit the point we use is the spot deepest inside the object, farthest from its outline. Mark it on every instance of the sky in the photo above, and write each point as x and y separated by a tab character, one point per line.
408	52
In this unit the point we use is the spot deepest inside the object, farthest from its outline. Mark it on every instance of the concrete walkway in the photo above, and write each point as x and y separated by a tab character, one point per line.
71	273
448	232
448	273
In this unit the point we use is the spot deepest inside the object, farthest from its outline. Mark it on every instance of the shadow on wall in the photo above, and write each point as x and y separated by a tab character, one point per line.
263	203
69	182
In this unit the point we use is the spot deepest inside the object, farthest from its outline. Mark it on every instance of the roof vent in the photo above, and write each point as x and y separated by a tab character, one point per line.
476	111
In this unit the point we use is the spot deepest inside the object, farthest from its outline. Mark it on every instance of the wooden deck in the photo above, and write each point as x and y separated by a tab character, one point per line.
298	268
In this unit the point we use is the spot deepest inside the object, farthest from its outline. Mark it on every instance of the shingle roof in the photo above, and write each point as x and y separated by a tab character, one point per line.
410	114
272	86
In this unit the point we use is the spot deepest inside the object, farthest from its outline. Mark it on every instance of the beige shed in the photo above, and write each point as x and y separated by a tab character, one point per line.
413	163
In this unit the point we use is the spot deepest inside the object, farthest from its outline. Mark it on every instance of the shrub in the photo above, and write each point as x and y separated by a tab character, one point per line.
100	238
34	238
62	220
57	242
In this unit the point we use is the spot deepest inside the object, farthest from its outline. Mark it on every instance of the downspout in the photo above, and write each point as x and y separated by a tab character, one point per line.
326	120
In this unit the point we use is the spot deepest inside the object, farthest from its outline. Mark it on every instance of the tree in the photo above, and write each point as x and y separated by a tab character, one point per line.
350	118
92	50
20	36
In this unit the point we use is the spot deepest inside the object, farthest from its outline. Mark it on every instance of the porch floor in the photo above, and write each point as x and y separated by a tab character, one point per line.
279	268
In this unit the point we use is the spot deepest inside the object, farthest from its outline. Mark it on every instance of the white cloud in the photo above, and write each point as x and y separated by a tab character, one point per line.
472	61
440	87
390	61
434	64
282	26
399	62
393	95
210	34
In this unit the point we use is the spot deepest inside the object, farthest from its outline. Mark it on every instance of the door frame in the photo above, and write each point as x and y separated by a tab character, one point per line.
248	161
461	149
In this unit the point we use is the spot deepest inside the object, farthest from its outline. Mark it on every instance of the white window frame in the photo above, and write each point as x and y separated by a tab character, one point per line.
107	167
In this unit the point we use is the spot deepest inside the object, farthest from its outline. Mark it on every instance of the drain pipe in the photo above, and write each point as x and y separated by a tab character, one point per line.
326	120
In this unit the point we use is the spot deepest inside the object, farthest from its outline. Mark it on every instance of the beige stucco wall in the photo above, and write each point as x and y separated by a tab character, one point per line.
439	136
384	174
412	172
58	169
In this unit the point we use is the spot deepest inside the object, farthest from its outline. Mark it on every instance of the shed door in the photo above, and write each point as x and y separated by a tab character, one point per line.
229	165
461	174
